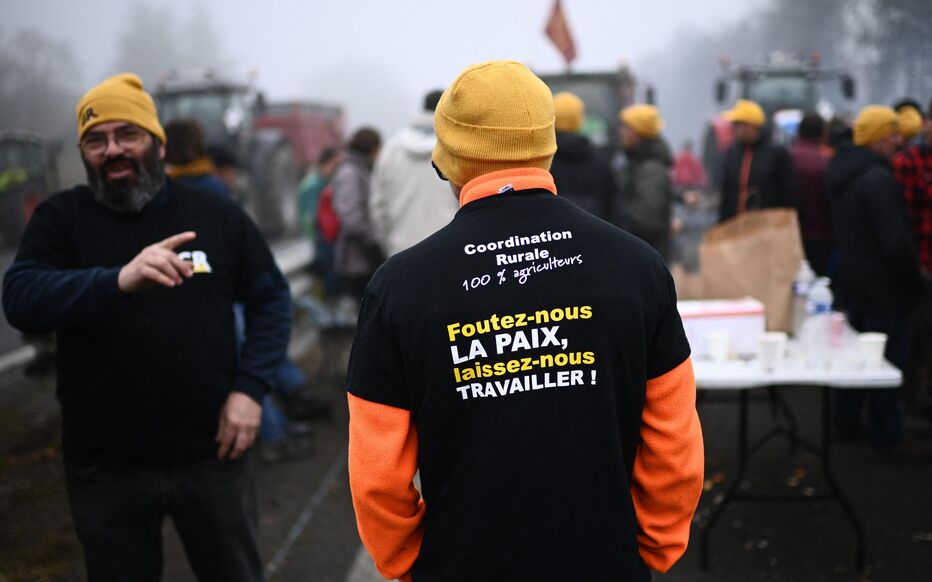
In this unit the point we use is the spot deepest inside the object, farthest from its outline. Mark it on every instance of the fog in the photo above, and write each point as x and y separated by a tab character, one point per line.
376	59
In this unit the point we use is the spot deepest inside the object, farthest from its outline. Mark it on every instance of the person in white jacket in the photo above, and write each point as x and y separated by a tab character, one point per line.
408	202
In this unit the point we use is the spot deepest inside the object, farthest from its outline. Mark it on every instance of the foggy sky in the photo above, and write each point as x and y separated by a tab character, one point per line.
377	58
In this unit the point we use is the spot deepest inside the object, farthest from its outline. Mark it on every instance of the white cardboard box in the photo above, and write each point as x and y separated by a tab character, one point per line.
743	319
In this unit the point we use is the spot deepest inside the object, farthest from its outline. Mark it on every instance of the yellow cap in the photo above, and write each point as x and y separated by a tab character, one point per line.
569	110
746	111
874	123
119	98
643	119
910	122
495	116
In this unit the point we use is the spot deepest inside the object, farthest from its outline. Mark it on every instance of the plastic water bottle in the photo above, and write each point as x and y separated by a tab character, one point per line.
820	297
818	329
802	285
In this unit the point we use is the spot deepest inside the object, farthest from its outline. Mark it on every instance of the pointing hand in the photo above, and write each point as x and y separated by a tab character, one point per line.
157	264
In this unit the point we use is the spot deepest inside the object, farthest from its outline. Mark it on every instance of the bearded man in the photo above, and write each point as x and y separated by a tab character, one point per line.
137	276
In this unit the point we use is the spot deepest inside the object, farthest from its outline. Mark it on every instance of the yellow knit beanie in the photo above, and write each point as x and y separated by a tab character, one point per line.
643	119
874	123
495	116
910	122
569	110
746	111
119	98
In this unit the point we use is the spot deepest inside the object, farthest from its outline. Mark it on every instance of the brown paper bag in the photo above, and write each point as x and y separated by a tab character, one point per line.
688	285
758	254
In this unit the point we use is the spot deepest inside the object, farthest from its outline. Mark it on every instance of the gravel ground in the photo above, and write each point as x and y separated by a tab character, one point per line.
307	530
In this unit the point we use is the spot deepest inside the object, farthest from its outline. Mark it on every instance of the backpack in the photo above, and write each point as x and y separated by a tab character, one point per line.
328	223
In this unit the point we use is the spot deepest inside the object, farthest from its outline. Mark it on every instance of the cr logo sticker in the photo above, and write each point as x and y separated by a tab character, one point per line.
199	258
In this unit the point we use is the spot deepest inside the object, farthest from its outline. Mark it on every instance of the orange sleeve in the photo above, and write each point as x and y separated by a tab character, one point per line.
669	467
382	464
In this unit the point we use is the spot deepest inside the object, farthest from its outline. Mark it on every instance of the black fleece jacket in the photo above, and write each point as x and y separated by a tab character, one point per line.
879	270
142	377
772	179
583	176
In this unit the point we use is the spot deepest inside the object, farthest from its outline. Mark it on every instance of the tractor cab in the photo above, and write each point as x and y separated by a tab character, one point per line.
27	175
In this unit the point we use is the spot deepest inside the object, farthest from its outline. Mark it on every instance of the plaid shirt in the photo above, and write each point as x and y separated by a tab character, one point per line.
914	171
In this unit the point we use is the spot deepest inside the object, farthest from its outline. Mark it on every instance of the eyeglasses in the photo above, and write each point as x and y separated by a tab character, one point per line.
128	136
439	173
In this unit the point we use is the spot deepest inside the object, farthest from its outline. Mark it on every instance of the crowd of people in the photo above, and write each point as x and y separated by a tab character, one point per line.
862	196
488	229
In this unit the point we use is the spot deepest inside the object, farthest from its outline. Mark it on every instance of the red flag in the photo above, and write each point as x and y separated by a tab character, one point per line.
558	31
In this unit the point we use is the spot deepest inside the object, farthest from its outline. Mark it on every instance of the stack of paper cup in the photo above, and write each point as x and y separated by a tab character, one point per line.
872	346
772	349
718	345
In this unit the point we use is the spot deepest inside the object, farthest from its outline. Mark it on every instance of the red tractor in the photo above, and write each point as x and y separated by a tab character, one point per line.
274	143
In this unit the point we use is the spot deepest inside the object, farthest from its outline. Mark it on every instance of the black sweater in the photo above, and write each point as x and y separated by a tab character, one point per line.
583	176
520	456
879	271
142	377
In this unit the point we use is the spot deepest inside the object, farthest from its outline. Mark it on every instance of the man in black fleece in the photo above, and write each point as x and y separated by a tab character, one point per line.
137	276
646	183
581	174
756	173
879	272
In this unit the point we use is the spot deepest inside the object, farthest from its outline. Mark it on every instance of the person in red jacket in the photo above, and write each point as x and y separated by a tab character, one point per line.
811	157
688	173
529	360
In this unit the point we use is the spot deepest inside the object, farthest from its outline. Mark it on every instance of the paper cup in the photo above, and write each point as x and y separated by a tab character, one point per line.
772	347
718	345
872	347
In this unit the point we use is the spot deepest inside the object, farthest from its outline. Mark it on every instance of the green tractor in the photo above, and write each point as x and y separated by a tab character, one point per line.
605	94
785	87
28	174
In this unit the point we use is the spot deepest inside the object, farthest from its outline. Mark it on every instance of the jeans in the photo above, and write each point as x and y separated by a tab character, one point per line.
274	420
274	425
885	417
325	252
118	519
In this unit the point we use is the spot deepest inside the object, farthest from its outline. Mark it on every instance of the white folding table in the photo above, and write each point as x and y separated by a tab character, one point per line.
743	376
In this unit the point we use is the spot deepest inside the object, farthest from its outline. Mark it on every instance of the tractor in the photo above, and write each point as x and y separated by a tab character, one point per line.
785	86
273	143
605	94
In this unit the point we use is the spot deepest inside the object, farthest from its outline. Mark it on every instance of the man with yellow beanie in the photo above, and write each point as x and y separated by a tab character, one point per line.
137	276
878	275
582	175
913	168
910	123
756	173
528	359
646	183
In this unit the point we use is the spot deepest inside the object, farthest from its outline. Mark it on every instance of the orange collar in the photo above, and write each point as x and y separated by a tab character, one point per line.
504	180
